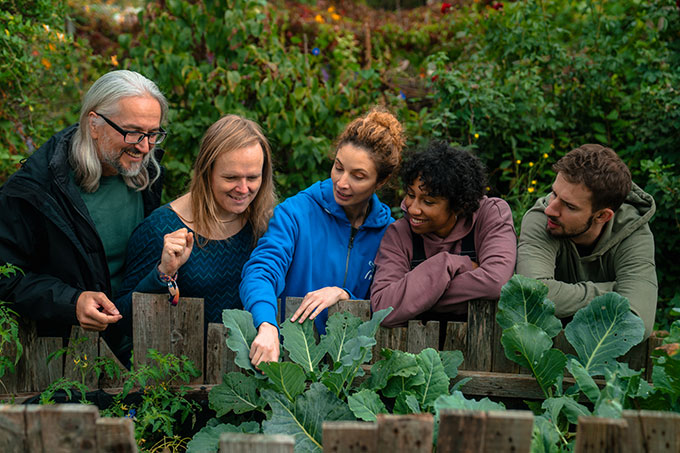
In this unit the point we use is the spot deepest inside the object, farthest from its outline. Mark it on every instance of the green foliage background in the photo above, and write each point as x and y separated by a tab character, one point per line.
521	85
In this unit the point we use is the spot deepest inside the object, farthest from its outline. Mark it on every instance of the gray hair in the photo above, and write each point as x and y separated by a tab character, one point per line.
103	97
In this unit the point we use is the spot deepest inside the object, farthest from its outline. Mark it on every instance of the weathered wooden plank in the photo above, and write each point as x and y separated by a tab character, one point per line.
596	435
86	348
34	441
341	437
390	338
456	337
460	431
151	325
412	433
188	332
359	308
256	443
104	380
653	431
115	435
219	358
508	431
168	329
421	336
12	428
291	305
522	386
636	358
69	428
481	320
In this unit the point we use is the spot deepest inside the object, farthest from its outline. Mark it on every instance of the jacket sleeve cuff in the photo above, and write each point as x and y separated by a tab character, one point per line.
151	283
264	312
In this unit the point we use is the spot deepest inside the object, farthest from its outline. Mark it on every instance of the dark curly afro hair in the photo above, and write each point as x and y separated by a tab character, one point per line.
449	172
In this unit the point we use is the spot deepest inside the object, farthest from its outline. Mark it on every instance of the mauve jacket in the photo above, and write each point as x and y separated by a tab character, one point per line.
444	280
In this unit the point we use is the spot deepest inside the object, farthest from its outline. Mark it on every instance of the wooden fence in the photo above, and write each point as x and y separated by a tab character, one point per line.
77	428
180	330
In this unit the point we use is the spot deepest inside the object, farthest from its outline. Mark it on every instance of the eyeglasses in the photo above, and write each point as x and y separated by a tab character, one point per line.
134	137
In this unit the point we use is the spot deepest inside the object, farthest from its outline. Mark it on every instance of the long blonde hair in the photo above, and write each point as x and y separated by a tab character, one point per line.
230	133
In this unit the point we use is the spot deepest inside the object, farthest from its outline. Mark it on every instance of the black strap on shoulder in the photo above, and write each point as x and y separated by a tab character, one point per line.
467	248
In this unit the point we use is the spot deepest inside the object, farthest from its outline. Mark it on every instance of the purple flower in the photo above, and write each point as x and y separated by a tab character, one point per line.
402	95
131	413
316	51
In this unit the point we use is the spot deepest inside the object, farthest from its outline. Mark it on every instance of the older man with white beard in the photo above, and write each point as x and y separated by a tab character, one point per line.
68	212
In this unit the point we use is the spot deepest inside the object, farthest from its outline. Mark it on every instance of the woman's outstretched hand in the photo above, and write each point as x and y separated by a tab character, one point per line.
265	347
316	301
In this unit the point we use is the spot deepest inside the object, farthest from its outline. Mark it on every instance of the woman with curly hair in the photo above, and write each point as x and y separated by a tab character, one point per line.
321	243
454	244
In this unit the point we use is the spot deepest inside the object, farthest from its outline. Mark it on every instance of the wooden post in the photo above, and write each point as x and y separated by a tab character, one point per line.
34	441
359	308
256	443
115	435
168	329
219	358
422	336
481	321
12	428
484	432
69	427
501	364
596	435
411	433
456	336
653	431
391	338
340	437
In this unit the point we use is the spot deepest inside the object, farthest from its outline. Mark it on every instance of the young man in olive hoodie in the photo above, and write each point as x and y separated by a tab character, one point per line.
591	235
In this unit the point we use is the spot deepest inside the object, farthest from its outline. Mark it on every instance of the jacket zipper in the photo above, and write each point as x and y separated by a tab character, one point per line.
349	250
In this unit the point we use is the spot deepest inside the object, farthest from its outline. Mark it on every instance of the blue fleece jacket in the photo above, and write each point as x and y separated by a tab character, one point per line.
308	245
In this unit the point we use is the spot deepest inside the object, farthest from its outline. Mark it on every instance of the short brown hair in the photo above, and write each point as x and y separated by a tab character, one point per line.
379	133
601	170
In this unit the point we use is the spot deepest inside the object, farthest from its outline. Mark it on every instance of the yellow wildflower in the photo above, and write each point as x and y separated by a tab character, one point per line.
533	182
85	356
46	27
488	188
76	360
530	189
335	17
60	36
114	60
331	9
518	161
545	155
6	32
552	146
531	164
45	62
476	135
319	19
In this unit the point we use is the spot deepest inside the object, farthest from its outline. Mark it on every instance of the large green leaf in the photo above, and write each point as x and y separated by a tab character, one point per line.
523	300
566	406
545	436
241	335
406	403
302	419
237	392
298	340
529	346
603	331
456	400
451	361
584	381
358	351
366	405
207	440
395	363
436	381
370	327
340	328
286	377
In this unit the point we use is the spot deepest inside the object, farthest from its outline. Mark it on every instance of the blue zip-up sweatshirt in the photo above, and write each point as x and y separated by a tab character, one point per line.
309	245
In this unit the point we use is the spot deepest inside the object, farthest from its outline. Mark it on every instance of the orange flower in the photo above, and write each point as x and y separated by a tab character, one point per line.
45	62
335	17
319	19
52	47
114	60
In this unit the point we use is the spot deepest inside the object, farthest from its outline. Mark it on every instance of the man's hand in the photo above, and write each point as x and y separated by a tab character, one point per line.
265	347
95	311
316	301
177	247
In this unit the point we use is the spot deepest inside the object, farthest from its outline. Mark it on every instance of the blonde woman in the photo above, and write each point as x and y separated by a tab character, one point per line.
197	244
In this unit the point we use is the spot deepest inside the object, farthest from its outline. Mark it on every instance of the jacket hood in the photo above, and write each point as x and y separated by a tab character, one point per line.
636	211
322	193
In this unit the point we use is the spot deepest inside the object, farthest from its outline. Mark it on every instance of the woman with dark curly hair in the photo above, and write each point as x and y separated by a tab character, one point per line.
454	244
